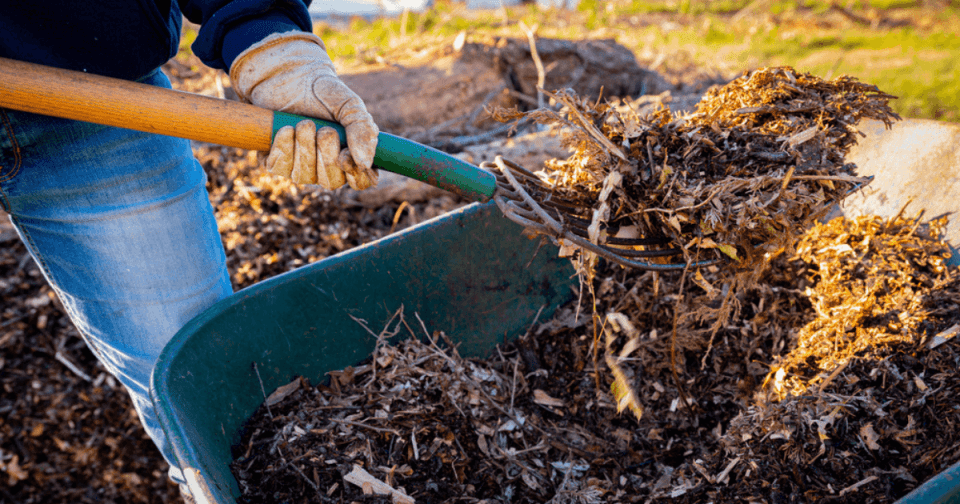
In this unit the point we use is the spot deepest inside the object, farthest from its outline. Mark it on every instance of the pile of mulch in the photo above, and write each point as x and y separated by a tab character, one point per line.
757	161
538	422
734	185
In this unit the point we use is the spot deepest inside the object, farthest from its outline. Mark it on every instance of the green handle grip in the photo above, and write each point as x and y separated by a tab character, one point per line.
410	159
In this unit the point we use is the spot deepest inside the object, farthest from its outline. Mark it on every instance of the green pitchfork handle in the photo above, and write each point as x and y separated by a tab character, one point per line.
68	94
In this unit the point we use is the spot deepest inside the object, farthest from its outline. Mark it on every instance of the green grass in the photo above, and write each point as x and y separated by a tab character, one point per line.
694	7
921	67
362	37
187	38
919	62
700	7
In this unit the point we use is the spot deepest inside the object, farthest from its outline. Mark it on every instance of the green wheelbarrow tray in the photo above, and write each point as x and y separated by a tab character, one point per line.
471	274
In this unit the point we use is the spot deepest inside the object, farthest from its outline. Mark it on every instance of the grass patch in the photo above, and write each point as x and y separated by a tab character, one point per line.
917	60
921	67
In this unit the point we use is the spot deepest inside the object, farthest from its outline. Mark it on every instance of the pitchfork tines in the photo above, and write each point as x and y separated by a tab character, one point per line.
526	200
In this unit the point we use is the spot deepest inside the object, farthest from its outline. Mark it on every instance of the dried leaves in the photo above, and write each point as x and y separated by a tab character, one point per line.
422	422
743	175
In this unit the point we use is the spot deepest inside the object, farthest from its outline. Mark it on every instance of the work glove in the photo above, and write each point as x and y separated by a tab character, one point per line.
291	72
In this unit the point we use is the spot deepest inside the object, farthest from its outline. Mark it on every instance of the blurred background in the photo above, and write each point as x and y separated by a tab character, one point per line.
909	48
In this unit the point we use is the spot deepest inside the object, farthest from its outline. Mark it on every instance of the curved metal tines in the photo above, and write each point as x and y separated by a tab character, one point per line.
580	226
561	208
526	200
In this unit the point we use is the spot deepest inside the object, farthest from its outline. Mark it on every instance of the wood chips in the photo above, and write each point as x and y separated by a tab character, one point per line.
808	369
741	177
537	421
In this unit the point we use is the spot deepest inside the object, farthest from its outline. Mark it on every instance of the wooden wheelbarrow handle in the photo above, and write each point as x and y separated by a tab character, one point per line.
80	96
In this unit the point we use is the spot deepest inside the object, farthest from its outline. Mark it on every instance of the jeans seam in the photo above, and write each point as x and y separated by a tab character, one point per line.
35	253
17	156
4	202
34	250
17	163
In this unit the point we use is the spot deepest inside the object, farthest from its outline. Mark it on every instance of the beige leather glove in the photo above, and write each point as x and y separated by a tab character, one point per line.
291	72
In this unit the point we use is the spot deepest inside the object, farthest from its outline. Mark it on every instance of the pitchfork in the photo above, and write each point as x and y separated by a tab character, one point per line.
522	196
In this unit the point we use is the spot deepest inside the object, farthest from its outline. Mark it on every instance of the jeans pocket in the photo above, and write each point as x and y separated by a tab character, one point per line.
11	158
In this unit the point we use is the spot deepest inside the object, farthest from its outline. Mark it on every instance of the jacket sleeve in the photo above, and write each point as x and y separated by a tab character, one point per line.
228	27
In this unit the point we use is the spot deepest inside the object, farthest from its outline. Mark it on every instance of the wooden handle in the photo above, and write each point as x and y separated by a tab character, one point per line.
80	96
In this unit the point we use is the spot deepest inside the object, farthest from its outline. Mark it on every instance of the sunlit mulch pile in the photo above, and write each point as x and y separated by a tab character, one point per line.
739	181
537	421
742	176
879	283
851	407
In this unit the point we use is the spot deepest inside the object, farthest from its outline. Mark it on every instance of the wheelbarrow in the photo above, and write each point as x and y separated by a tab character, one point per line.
470	273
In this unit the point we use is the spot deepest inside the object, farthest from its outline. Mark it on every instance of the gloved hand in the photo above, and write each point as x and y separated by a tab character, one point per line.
291	72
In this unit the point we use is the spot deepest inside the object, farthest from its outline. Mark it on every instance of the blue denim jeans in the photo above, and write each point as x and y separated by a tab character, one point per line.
121	225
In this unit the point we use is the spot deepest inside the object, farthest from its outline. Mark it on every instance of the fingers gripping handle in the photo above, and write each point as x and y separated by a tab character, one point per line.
114	102
410	159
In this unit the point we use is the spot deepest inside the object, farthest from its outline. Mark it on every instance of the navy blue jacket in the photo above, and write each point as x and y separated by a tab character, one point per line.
130	38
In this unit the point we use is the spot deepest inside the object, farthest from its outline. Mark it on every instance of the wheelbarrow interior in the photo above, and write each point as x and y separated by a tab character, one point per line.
472	274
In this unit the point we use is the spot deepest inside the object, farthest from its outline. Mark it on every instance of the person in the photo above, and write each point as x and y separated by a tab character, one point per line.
119	221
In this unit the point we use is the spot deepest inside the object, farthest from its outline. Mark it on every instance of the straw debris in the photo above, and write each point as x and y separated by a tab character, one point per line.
874	280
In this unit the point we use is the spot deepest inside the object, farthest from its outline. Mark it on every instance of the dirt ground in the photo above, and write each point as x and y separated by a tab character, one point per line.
68	432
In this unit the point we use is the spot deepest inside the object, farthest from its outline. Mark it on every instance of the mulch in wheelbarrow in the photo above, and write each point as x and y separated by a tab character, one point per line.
741	177
836	384
817	365
737	181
